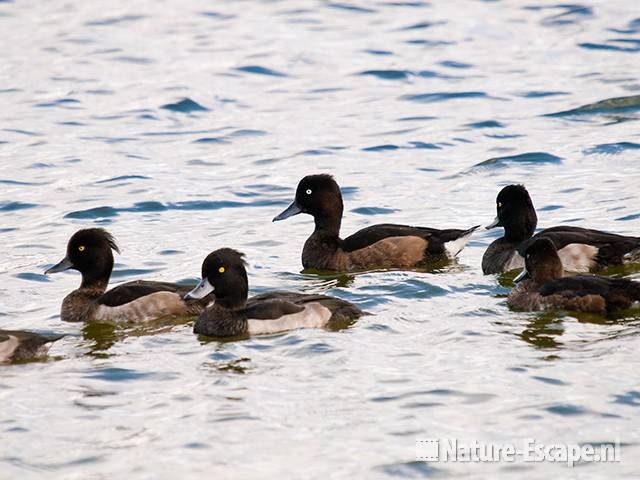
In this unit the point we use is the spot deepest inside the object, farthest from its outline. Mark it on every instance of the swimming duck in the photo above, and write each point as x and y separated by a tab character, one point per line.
18	345
377	246
89	252
580	249
224	274
541	285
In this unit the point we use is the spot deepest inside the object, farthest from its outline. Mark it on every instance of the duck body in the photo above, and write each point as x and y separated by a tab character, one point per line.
89	252
18	345
232	314
377	246
136	301
543	286
275	312
580	249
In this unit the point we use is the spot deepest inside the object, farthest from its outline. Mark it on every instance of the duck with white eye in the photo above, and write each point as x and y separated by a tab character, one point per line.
233	313
376	246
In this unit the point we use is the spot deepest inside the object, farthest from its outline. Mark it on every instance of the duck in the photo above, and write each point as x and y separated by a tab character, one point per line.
231	314
581	249
20	345
89	251
541	286
377	246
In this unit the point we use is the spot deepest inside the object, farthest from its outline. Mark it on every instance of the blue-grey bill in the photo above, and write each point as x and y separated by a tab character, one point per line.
201	290
291	210
523	274
494	224
64	264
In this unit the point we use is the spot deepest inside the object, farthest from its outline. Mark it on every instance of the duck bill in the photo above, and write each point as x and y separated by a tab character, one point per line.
201	290
494	224
524	275
64	264
291	210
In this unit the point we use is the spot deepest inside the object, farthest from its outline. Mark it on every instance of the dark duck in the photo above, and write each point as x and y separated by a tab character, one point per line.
377	246
580	249
231	314
20	346
541	286
89	251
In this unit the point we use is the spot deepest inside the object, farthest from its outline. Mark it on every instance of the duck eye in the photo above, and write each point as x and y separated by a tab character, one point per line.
81	248
221	270
308	191
499	204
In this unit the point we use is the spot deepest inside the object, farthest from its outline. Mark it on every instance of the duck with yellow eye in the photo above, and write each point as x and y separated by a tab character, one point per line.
233	313
89	251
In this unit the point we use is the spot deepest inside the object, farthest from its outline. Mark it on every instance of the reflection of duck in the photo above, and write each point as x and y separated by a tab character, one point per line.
17	345
580	249
224	274
89	252
377	246
542	286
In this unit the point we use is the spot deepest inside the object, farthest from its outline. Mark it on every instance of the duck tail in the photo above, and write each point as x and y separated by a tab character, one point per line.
454	247
634	255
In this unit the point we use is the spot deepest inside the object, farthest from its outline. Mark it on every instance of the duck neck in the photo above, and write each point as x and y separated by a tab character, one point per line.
231	303
519	233
328	227
98	280
233	295
522	225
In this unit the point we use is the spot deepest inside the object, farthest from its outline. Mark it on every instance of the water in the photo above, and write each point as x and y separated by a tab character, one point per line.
185	126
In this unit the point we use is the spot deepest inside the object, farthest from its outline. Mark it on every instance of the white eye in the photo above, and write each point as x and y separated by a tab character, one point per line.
309	191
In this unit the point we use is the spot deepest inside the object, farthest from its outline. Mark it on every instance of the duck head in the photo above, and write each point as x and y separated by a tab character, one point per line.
515	213
541	263
89	251
320	197
224	273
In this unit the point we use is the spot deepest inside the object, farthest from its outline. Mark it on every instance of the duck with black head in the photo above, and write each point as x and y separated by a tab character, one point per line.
541	285
580	249
377	246
21	346
89	251
224	275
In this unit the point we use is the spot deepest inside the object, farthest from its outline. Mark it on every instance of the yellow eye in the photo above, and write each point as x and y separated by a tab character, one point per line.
499	204
81	248
221	270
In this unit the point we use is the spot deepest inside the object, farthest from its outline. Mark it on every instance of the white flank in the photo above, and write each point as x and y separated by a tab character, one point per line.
149	307
578	257
7	348
454	247
516	261
314	315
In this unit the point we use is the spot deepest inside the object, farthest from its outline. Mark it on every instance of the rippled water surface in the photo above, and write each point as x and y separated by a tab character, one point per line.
185	126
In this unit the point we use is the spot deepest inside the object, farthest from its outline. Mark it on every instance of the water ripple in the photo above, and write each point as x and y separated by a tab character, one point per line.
442	96
185	105
258	70
611	148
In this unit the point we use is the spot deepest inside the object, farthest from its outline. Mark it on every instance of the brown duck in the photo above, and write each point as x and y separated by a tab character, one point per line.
377	246
20	346
90	252
541	286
